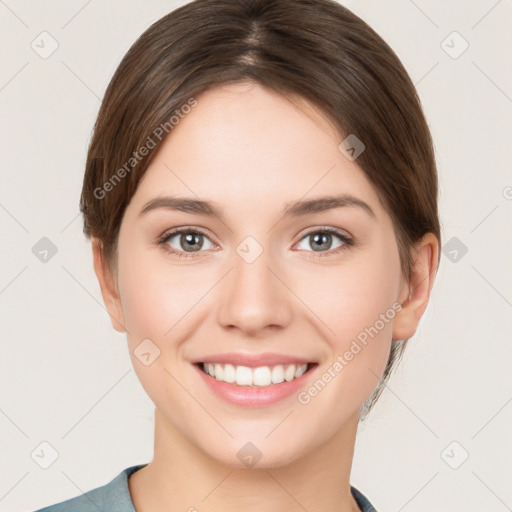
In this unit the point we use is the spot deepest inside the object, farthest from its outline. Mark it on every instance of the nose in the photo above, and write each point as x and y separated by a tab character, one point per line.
254	297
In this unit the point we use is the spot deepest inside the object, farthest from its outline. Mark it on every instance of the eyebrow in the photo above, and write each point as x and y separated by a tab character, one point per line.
292	209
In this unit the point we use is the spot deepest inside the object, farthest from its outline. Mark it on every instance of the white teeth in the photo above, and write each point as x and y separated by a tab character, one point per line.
289	373
219	372
229	373
301	370
260	376
243	376
277	374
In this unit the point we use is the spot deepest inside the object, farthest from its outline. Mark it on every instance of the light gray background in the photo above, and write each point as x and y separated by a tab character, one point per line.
66	376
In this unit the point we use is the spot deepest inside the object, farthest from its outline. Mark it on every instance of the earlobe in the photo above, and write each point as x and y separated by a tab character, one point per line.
416	293
108	287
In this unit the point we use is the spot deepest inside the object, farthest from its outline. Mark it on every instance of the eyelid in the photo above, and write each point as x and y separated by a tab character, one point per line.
185	229
326	229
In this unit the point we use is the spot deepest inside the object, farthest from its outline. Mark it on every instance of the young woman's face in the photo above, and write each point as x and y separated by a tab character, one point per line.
319	285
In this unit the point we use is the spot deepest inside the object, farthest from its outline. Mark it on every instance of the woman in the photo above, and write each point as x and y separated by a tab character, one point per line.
261	197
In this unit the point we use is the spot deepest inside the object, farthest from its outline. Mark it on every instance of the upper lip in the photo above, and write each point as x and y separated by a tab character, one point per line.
252	360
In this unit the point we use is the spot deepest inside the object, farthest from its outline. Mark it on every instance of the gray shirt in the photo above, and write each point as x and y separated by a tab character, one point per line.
115	497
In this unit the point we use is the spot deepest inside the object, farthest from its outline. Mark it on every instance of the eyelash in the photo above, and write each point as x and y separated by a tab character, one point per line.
347	241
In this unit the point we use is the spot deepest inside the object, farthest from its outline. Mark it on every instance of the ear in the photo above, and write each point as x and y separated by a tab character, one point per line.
108	286
415	294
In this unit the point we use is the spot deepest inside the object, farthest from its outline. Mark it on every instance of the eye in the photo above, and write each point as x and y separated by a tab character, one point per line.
321	240
188	242
185	242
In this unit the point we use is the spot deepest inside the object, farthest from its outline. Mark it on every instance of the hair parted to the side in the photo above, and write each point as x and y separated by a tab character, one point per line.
316	50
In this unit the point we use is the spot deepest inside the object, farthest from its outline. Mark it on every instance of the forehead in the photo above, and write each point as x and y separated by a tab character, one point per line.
244	142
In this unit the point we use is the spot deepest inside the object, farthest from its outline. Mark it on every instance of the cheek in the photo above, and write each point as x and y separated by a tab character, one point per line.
157	296
355	306
158	302
351	297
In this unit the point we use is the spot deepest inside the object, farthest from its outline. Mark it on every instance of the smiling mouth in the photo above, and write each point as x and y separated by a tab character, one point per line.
261	376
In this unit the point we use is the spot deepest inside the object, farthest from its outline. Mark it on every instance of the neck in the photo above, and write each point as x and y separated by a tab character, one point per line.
182	477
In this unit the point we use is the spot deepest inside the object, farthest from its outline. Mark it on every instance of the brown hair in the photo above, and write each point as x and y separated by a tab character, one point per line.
317	50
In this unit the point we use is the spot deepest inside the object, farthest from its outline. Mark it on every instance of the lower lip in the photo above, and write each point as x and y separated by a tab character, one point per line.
254	396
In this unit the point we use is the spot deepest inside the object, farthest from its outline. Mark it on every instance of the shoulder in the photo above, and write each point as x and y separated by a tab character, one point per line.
362	501
111	497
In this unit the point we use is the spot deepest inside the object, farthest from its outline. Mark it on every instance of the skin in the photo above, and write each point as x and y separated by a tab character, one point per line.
251	151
